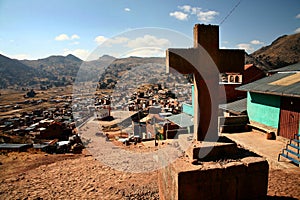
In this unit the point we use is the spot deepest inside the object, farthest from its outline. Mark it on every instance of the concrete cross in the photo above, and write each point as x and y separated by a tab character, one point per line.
206	61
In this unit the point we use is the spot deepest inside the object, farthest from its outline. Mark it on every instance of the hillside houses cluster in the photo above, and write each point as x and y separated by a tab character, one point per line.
151	94
42	126
271	102
154	105
154	95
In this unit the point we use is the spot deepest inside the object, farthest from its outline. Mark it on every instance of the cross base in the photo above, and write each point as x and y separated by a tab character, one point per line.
246	177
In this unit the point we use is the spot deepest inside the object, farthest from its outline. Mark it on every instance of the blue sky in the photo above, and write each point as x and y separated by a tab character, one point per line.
35	29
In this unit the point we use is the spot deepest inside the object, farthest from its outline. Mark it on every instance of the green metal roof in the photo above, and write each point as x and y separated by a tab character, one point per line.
182	120
236	107
282	84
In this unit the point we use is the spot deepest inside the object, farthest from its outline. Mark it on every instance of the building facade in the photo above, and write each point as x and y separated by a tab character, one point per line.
274	101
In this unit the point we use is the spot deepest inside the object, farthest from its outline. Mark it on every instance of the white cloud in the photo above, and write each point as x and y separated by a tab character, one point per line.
256	42
195	10
251	46
116	40
100	39
148	41
187	11
179	15
185	8
248	48
63	37
108	42
75	43
74	37
127	9
298	16
145	52
80	53
297	30
20	56
207	16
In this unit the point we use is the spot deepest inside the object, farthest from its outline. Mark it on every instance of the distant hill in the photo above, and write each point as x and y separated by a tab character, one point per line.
119	67
59	66
261	64
92	70
14	72
284	51
64	70
50	71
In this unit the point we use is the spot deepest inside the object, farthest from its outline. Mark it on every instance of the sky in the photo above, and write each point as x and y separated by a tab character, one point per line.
35	29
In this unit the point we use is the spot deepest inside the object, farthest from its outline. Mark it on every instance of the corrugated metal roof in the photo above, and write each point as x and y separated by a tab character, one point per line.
14	146
236	107
182	120
282	84
294	67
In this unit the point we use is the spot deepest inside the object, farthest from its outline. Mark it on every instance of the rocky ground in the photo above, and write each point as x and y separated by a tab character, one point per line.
42	176
35	175
284	183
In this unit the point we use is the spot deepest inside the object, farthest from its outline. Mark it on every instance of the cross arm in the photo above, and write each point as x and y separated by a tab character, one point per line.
175	58
231	60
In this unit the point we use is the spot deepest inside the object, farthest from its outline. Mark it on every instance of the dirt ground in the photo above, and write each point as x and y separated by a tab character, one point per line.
284	183
36	175
42	176
12	97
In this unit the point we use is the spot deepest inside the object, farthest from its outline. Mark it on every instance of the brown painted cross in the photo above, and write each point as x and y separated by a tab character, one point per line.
206	61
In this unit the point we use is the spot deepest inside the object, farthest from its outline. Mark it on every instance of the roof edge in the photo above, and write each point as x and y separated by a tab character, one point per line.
273	93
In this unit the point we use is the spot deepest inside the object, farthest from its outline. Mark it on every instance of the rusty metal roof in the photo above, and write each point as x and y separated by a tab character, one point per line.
282	84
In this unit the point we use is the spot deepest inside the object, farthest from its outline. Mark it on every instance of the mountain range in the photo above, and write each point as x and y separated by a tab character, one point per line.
63	70
283	51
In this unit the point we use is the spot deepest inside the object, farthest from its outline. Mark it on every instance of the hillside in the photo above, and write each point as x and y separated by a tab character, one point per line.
119	67
13	72
259	63
92	70
64	70
284	51
59	66
50	71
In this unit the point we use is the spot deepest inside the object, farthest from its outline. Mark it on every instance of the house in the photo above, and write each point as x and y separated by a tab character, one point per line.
102	112
184	123
233	117
289	68
252	73
15	147
274	101
230	81
140	129
52	131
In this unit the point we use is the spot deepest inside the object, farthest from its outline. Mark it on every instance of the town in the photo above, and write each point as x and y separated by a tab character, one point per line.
188	131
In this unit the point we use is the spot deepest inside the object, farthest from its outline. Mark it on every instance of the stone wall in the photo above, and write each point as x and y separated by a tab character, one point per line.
244	179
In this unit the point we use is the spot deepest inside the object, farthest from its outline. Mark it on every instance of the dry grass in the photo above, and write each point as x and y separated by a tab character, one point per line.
14	97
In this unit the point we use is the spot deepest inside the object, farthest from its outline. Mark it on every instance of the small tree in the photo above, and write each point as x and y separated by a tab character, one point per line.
30	94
